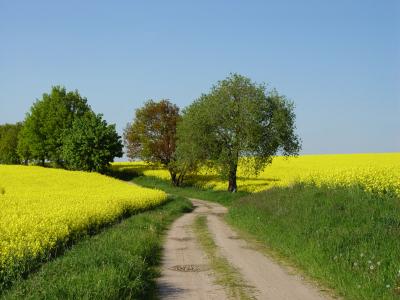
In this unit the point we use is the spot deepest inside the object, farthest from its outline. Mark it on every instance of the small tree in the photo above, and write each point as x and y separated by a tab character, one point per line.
238	119
152	136
90	144
8	143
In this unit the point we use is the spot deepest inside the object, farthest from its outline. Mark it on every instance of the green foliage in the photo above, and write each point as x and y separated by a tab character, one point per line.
24	147
152	136
345	237
41	136
238	118
90	144
8	143
62	129
118	263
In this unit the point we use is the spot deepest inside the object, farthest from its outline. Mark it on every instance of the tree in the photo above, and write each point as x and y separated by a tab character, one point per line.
90	144
23	148
238	120
152	136
41	136
8	143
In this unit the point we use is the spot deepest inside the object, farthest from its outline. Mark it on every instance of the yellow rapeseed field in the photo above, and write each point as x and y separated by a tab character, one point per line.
42	209
378	173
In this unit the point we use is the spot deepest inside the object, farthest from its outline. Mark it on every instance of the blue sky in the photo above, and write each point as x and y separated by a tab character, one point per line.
339	61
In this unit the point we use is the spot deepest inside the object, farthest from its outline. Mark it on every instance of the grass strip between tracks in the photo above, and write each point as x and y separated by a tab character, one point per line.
226	275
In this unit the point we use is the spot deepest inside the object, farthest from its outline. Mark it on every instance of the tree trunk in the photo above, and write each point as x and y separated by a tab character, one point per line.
177	176
173	178
232	187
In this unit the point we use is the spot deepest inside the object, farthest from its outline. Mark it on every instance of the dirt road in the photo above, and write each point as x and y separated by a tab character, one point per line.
186	273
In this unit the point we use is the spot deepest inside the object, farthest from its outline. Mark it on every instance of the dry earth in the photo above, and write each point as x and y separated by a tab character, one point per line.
186	274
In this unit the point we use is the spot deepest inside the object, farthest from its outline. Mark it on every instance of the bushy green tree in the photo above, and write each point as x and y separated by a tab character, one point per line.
152	136
237	119
90	144
23	148
8	143
41	137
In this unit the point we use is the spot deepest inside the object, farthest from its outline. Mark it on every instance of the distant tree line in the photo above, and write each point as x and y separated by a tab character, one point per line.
9	142
61	130
237	120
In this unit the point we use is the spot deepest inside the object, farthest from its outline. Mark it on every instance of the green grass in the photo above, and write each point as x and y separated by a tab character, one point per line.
347	239
118	263
226	275
223	197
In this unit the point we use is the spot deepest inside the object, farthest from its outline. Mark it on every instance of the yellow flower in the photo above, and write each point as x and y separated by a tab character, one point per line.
43	208
376	173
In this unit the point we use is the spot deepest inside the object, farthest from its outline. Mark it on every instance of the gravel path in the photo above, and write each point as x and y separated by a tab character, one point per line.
186	274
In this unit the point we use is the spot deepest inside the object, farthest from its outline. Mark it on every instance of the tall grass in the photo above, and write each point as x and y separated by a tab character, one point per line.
345	237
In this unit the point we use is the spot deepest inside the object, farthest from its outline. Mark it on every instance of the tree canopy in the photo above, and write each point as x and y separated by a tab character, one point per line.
41	136
8	143
237	119
152	135
62	129
90	144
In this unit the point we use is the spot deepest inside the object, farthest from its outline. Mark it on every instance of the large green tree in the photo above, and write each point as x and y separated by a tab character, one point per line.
152	136
90	144
238	120
8	143
41	137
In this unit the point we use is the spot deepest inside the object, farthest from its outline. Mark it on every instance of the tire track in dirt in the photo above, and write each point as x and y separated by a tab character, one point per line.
186	273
